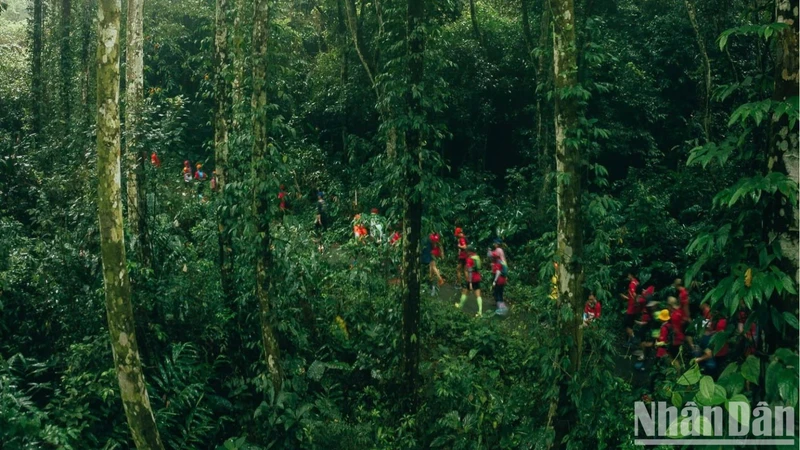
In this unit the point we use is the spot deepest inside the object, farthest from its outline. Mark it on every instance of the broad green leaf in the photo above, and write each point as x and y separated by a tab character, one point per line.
751	369
677	400
791	319
771	380
690	377
741	411
707	386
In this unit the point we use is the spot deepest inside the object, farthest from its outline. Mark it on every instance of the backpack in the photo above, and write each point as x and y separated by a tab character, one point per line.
503	269
477	260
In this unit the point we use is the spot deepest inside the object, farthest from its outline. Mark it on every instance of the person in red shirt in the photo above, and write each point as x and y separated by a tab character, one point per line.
677	321
499	283
710	362
683	298
633	309
750	335
154	160
462	255
282	198
437	253
591	310
473	280
663	341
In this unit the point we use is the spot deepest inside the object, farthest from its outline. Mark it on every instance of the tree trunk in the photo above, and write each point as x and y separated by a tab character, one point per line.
385	113
526	29
221	120
261	190
542	78
37	85
134	81
784	142
412	217
707	66
86	61
237	94
66	63
112	243
476	31
568	191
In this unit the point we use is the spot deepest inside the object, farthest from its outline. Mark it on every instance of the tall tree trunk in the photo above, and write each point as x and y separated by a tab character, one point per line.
526	29
568	191
784	142
707	68
66	63
543	72
386	115
412	217
112	242
237	89
37	83
261	190
134	81
86	61
221	120
476	31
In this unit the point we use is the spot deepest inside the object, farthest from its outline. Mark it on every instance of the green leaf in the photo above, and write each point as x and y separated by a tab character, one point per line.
791	319
677	400
788	357
751	369
771	380
690	377
741	411
787	386
733	383
707	386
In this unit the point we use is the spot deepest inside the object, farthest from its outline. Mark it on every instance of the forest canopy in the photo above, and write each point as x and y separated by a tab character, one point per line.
396	224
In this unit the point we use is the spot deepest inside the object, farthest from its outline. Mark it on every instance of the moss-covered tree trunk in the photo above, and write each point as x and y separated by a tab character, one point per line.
134	83
66	63
784	145
706	68
412	217
568	191
221	121
261	190
112	243
86	61
37	84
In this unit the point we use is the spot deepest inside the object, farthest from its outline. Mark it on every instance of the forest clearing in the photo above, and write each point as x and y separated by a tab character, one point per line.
399	224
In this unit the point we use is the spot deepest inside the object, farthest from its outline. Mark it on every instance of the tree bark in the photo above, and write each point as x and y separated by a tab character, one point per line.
86	42
526	29
221	120
568	192
134	82
384	111
784	142
261	191
707	68
66	63
412	217
37	84
112	242
476	31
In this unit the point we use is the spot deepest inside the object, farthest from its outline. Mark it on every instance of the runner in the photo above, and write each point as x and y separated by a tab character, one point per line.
591	310
187	172
320	220
377	226
462	255
712	363
283	199
632	311
437	253
473	280
499	270
154	160
678	334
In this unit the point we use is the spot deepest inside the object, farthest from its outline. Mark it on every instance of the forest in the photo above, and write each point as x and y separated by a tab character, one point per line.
398	224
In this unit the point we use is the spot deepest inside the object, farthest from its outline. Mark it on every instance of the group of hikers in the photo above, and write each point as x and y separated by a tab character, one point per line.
469	270
666	330
663	329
